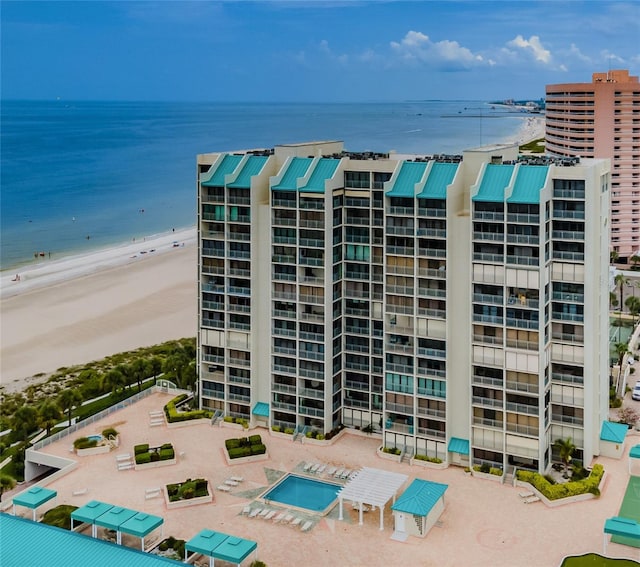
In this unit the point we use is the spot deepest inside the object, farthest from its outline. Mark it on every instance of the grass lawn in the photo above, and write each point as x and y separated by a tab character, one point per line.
594	560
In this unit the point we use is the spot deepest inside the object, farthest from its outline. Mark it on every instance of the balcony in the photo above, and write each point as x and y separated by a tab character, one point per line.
488	298
567	235
569	297
284	388
487	257
527	239
306	410
487	381
564	316
566	255
287	314
523	218
488	216
354	385
487	402
484	422
432	352
522	408
488	236
431	412
428	432
311	393
522	344
567	378
482	318
522	323
213	358
432	292
431	212
399	408
283	406
523	260
522	429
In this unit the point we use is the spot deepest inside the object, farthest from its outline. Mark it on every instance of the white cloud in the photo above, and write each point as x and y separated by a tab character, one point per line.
326	49
416	46
533	45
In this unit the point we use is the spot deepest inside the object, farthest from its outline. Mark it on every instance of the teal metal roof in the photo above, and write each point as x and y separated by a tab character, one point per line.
141	524
33	543
205	542
325	168
613	432
622	527
90	511
297	168
440	176
253	166
227	165
635	452
410	173
34	497
234	549
529	182
114	517
457	445
221	546
494	182
420	497
261	409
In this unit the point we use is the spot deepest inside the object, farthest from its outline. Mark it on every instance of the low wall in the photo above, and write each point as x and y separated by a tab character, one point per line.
98	450
187	423
186	503
388	456
428	464
244	460
155	464
562	501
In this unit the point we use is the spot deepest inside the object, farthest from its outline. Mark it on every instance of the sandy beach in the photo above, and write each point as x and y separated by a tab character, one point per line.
78	309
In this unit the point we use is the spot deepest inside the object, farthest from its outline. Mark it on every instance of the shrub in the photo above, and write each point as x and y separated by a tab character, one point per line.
239	452
228	419
391	450
109	432
428	458
589	485
60	516
232	443
276	428
137	449
258	449
485	468
167	454
84	443
143	458
255	439
495	471
549	479
288	431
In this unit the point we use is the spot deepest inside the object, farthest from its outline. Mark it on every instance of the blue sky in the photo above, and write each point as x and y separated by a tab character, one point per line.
308	50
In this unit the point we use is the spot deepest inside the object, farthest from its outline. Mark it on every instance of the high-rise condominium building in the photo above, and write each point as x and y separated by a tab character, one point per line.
602	119
455	304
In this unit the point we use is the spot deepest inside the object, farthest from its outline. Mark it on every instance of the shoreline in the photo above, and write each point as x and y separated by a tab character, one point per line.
66	268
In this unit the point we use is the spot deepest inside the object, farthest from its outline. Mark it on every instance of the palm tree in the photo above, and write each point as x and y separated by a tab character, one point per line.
621	350
113	380
49	413
6	483
140	369
565	448
127	374
613	300
613	256
633	305
156	366
25	420
68	399
635	260
621	281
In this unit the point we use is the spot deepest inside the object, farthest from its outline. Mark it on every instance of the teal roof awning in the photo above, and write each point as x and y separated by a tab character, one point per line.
622	527
261	409
457	445
410	173
420	498
530	180
325	168
113	518
252	167
234	549
35	543
90	511
635	452
440	177
297	168
226	166
205	542
34	497
141	524
613	432
495	180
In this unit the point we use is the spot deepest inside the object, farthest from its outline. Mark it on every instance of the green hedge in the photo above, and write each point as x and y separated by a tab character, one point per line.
143	458
245	447
428	459
258	449
167	454
589	485
173	416
141	449
84	443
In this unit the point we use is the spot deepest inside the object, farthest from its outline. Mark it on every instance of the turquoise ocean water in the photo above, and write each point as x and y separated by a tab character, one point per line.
114	171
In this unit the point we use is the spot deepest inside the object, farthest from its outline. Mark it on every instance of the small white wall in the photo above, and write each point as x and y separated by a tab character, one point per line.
428	521
611	450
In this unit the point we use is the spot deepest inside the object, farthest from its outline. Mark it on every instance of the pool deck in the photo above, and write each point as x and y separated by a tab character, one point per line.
484	522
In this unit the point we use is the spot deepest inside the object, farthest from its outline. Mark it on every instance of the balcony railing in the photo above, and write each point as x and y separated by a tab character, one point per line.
522	408
487	402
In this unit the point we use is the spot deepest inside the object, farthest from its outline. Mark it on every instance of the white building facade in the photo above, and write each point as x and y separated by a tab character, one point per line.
457	305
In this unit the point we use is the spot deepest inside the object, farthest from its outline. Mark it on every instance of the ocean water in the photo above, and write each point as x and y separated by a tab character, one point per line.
76	176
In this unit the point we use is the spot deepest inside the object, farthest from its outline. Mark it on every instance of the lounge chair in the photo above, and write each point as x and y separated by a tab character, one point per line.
246	510
270	515
331	471
307	466
237	478
263	513
531	500
315	468
345	474
223	488
296	521
287	519
255	512
526	494
338	473
230	482
321	469
279	517
307	526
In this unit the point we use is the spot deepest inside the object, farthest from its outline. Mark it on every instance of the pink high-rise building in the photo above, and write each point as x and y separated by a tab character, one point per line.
602	119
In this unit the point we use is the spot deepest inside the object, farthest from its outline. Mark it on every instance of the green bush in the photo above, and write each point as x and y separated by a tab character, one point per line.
239	452
495	471
484	468
167	454
60	516
137	449
232	443
428	459
258	449
166	446
288	431
255	439
228	419
84	443
174	416
391	450
589	485
275	428
143	458
109	432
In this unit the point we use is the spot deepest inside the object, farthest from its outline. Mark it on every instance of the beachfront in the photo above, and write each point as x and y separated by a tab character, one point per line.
484	522
78	309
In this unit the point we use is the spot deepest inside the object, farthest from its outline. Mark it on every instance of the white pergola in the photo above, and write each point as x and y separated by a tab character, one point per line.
374	487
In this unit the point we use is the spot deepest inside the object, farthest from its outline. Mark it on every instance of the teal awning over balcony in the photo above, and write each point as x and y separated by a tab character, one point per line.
457	445
261	409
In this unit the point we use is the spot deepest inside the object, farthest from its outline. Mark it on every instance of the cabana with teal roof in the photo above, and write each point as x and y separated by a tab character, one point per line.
612	436
634	454
217	545
141	525
418	508
89	513
33	498
114	518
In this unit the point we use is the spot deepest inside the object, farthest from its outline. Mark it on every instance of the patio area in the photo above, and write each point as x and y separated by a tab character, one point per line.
484	523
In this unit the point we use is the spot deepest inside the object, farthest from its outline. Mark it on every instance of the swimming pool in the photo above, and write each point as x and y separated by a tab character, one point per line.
302	492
